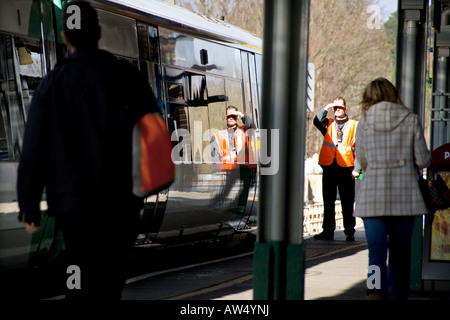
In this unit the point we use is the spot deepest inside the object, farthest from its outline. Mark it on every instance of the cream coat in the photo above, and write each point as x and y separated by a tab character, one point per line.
389	140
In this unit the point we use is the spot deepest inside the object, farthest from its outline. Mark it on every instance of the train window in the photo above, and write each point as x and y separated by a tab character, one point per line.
217	110
258	62
253	67
118	34
178	125
234	93
198	114
180	115
175	91
31	66
148	43
175	85
199	124
149	60
246	79
172	45
178	49
197	93
3	139
176	111
22	66
154	44
144	51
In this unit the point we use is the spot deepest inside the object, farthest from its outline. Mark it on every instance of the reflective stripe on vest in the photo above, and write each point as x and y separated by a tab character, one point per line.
343	152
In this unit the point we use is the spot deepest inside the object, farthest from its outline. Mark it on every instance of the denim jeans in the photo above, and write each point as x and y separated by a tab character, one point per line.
393	235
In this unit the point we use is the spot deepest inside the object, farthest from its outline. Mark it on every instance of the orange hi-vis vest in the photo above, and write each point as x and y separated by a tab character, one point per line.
230	158
343	152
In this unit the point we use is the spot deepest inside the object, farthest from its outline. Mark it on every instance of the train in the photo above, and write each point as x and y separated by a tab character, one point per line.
197	66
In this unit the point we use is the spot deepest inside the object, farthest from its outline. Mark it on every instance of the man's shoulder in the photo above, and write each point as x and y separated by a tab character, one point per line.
95	56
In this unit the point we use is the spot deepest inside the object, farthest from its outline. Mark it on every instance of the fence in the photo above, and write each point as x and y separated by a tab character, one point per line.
313	218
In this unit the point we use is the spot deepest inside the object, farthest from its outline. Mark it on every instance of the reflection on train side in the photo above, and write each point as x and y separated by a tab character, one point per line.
195	75
201	206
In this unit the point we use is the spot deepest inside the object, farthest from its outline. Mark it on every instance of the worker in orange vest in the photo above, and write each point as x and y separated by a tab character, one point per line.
231	145
337	158
230	148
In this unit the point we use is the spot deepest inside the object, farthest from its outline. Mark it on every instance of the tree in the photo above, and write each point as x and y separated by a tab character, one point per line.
391	32
348	52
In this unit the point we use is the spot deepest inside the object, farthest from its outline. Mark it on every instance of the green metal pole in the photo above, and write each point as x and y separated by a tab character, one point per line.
279	255
416	255
411	66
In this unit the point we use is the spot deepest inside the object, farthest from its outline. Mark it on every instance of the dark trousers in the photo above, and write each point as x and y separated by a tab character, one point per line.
99	243
390	235
338	178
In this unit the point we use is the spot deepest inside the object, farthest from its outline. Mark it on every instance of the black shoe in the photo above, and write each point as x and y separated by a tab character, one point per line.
324	236
350	238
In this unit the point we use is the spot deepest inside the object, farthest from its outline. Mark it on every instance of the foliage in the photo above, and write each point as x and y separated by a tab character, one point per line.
348	52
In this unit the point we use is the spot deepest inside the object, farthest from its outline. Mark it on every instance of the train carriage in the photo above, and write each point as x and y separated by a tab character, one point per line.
196	66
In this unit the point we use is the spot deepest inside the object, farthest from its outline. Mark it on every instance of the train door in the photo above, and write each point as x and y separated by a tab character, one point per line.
150	65
251	107
27	53
196	210
12	122
201	78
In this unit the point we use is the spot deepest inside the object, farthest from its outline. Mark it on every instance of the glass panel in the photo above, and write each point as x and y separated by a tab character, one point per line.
154	44
254	88
179	127
197	93
175	91
258	61
246	79
181	117
24	18
148	43
4	153
118	34
21	68
235	94
217	110
198	122
175	85
186	51
143	38
148	50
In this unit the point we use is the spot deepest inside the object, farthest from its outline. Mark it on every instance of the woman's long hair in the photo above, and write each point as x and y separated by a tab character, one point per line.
379	90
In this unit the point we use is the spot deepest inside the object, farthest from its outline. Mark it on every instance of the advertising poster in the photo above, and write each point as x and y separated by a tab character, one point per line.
440	227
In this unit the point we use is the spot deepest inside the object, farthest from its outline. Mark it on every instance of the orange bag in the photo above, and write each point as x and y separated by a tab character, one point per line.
153	168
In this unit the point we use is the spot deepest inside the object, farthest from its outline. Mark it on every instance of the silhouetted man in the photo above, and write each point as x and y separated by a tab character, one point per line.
78	146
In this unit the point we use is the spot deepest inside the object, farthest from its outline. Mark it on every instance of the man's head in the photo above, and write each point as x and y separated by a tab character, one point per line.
81	29
340	107
232	116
